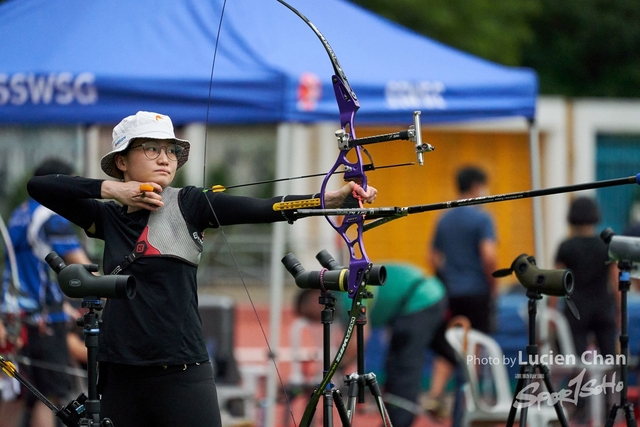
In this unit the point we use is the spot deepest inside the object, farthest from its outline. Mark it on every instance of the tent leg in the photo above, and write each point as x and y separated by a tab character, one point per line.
536	183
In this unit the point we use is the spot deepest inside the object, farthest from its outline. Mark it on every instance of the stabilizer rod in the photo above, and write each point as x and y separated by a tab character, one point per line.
385	214
507	196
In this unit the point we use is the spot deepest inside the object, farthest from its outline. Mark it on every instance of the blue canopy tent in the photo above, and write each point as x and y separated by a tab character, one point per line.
88	62
73	61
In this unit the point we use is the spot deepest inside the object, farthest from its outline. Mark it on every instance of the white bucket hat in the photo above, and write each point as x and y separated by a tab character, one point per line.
143	124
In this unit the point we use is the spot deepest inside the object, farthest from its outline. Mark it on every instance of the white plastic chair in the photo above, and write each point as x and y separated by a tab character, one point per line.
476	409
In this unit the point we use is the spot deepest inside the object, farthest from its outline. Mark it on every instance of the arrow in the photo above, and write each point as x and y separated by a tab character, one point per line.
367	167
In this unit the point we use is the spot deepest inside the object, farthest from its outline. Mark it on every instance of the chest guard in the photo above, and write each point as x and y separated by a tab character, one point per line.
167	234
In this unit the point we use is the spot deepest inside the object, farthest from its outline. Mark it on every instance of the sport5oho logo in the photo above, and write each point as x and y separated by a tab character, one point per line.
425	94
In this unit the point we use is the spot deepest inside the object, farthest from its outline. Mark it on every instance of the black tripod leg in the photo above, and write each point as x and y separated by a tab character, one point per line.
558	407
342	410
624	284
352	382
524	410
628	411
515	403
372	383
328	408
611	418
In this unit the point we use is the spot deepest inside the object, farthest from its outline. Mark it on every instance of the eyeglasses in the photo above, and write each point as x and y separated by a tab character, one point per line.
152	150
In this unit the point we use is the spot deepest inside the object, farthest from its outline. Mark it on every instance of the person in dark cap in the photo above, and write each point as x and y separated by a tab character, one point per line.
595	291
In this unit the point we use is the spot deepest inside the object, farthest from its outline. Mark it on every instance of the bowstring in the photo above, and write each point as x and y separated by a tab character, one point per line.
271	354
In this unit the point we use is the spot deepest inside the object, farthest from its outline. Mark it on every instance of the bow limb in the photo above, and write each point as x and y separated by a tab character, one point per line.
359	264
345	87
348	105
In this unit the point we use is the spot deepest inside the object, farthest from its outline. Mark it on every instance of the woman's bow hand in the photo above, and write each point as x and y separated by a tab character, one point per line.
335	199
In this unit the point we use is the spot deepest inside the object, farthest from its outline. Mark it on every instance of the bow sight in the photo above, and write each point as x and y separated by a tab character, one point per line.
413	134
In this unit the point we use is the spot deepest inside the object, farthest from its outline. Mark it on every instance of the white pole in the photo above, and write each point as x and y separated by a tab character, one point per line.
195	133
277	276
536	182
92	153
538	232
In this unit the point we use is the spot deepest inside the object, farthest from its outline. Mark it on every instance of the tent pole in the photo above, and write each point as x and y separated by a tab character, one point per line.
538	227
195	170
276	278
92	152
536	183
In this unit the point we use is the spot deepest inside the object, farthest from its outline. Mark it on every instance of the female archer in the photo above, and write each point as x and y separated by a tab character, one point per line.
154	366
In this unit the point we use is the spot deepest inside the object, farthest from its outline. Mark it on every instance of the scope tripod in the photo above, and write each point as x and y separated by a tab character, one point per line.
82	411
356	382
624	283
527	370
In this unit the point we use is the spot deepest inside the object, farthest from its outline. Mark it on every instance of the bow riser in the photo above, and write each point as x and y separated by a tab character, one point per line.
348	105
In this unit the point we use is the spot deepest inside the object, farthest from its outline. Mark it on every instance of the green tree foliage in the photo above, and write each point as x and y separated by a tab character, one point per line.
492	29
587	48
577	47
